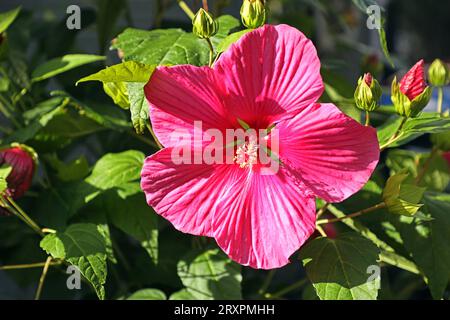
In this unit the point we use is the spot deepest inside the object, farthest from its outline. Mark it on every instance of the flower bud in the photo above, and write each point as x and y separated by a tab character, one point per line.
439	73
412	94
22	160
204	25
401	197
368	93
441	140
253	13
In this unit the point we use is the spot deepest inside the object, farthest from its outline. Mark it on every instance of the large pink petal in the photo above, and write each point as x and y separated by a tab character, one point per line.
269	73
261	220
184	194
180	95
331	153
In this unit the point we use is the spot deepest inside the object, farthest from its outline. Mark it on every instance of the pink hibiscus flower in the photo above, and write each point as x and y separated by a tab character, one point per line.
271	76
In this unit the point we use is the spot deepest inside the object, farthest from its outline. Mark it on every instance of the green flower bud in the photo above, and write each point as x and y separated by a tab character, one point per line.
253	13
368	93
404	106
441	140
439	74
204	24
401	197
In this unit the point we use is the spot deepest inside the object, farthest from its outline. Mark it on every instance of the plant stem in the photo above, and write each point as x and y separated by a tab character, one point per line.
28	265
395	135
205	5
143	139
426	165
322	210
367	118
266	283
288	289
150	129
353	215
440	99
211	52
18	211
186	9
42	279
321	231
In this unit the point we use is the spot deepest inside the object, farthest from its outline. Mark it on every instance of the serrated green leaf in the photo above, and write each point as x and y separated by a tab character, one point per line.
127	71
429	242
118	92
115	169
338	268
162	47
62	64
139	107
8	17
148	294
83	246
413	128
211	275
75	170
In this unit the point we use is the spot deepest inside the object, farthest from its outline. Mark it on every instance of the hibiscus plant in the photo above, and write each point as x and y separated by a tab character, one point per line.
217	161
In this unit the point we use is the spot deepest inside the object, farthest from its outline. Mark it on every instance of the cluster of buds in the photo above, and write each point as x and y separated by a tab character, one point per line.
368	93
253	13
22	162
204	25
411	95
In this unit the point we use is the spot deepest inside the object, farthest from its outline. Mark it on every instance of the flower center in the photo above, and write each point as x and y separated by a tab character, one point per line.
247	153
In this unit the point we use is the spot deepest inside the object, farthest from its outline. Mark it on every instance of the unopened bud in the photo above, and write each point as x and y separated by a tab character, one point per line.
253	13
204	25
368	93
439	74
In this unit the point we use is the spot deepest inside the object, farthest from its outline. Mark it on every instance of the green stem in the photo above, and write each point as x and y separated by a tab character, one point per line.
18	211
42	279
353	215
266	283
292	287
28	265
211	52
143	139
367	118
395	135
186	9
321	231
150	129
440	99
322	210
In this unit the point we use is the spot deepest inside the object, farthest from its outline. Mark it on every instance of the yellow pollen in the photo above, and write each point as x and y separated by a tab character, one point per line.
247	154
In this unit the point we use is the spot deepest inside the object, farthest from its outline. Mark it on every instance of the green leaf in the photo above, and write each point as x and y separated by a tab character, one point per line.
436	176
62	64
227	24
211	275
117	91
384	46
148	294
8	17
338	268
138	106
73	171
5	170
429	242
413	128
183	294
127	71
162	47
229	40
115	169
83	246
133	216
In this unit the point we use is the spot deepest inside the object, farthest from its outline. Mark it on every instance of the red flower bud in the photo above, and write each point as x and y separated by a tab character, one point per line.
413	83
368	79
23	166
